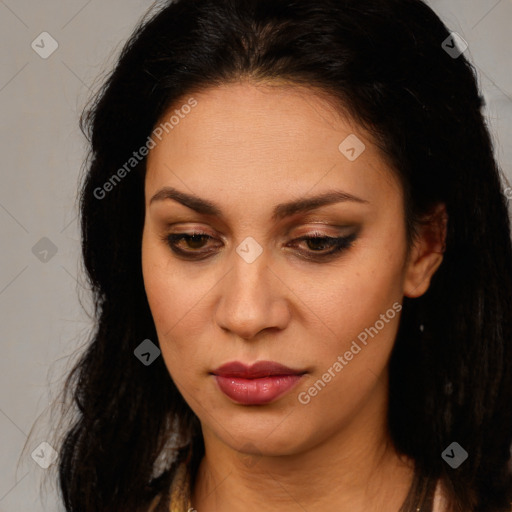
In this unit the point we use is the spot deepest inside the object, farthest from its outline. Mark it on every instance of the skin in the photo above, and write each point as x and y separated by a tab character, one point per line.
247	148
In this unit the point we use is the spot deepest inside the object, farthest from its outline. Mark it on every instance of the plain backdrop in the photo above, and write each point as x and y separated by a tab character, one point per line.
42	150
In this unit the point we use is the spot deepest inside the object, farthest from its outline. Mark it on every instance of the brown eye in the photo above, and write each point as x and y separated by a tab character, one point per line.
191	242
318	243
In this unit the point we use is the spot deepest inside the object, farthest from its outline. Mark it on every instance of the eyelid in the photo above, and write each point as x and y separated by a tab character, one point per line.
303	231
306	225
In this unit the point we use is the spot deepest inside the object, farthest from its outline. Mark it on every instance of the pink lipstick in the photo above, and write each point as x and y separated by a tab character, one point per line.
260	383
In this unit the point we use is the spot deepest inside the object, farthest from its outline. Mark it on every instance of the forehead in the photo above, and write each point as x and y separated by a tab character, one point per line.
275	114
244	136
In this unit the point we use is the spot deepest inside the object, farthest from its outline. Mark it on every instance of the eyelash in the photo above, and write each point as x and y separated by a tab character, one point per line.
340	244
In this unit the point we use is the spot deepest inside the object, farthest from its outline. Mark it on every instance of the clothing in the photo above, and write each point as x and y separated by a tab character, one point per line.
180	494
180	491
440	503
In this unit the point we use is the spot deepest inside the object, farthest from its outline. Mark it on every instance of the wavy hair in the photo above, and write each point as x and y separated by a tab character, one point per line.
383	63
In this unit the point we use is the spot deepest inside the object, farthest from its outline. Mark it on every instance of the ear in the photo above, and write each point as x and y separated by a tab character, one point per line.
427	252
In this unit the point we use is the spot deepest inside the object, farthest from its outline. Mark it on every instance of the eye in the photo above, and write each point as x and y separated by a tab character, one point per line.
188	245
318	245
192	241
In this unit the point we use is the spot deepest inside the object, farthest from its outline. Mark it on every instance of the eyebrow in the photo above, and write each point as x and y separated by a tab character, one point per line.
281	211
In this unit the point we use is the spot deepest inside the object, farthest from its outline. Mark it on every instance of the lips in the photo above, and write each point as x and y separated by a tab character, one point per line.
255	371
260	383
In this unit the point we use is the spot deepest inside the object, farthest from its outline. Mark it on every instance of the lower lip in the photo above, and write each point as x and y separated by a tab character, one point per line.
256	391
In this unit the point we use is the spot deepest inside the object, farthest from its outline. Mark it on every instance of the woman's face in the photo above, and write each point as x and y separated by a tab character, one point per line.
242	168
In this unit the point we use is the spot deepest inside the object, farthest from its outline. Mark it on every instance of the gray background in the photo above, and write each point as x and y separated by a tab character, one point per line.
43	325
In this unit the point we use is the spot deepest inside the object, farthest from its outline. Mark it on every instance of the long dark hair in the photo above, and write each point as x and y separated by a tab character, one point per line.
384	62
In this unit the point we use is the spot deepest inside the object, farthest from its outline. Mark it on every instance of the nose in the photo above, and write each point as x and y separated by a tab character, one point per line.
253	298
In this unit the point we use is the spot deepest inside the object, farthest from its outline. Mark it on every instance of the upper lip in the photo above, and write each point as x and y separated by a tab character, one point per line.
254	371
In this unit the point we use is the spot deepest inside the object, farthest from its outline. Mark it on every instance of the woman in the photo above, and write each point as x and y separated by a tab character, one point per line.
300	252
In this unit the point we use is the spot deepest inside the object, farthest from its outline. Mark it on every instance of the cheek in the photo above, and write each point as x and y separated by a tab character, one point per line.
171	294
162	285
349	369
358	312
345	300
177	298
